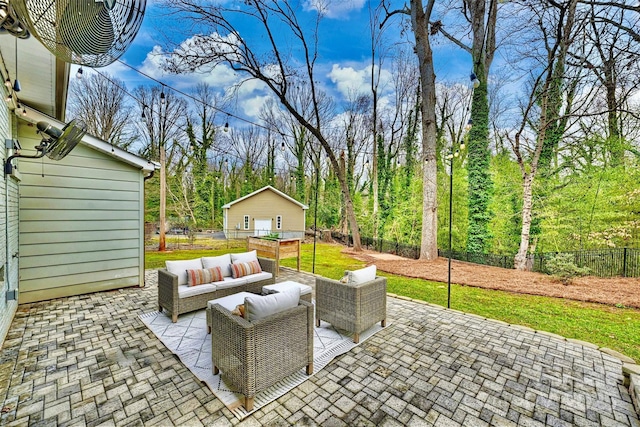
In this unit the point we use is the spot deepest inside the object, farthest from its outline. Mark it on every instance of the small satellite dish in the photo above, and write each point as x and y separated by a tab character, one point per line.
57	143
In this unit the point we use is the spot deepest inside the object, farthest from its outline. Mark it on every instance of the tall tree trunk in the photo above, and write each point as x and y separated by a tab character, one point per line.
520	260
549	123
374	163
213	202
615	145
162	246
420	23
483	24
479	160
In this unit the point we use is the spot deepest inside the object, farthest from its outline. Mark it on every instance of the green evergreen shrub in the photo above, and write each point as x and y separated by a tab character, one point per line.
563	267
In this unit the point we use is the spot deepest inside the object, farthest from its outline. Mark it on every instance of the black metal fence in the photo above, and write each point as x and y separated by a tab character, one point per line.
614	262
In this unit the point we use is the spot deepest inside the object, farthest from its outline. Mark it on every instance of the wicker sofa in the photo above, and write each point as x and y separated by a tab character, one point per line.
177	298
253	355
354	306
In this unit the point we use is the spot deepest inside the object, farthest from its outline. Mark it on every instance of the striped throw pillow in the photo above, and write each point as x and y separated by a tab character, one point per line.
241	269
202	276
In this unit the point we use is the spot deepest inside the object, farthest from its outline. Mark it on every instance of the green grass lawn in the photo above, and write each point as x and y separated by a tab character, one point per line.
606	326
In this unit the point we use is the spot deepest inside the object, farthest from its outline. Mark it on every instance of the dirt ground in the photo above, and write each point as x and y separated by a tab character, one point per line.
625	291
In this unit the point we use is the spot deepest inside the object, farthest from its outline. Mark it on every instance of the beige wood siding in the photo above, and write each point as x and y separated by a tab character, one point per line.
81	224
266	205
8	229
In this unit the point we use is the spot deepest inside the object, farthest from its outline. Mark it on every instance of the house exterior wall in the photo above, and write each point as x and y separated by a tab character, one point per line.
266	205
81	224
8	229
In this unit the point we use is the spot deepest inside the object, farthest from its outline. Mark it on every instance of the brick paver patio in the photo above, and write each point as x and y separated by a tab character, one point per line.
89	360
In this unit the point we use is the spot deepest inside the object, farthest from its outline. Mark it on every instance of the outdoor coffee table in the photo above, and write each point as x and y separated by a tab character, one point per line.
229	302
305	290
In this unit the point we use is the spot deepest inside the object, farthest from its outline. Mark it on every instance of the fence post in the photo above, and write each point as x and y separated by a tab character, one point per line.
624	263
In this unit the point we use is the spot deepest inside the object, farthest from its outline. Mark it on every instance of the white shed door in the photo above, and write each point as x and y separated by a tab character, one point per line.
262	227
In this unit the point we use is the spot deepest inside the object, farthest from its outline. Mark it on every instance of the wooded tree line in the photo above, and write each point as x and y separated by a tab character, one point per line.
543	145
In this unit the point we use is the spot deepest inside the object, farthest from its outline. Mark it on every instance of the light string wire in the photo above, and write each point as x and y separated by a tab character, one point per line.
217	150
220	110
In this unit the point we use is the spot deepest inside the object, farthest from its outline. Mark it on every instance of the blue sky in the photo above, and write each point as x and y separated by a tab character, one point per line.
342	66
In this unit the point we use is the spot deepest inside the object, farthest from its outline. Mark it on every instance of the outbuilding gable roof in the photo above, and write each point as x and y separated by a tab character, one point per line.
268	187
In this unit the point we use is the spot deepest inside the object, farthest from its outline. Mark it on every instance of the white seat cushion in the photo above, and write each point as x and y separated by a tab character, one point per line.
222	261
244	257
265	275
260	306
363	275
179	268
230	282
285	286
230	301
185	291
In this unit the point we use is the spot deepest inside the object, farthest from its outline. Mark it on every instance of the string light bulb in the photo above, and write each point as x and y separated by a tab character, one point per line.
9	98
7	82
24	112
469	125
474	80
163	99
226	127
282	147
79	73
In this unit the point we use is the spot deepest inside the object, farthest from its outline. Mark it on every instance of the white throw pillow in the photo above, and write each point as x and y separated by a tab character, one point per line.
179	268
363	275
244	257
222	261
260	306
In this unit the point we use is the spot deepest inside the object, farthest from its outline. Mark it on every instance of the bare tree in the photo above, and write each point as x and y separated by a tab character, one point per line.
557	25
628	26
262	54
162	130
202	132
420	16
612	57
296	139
101	102
249	145
453	112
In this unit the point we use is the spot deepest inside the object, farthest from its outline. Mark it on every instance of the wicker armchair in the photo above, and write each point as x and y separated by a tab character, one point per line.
354	308
255	355
168	291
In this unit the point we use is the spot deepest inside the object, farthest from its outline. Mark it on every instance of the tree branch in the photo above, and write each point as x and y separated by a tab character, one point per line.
405	11
455	40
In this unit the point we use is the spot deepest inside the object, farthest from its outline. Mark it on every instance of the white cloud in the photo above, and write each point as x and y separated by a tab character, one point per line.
350	81
252	106
334	9
152	64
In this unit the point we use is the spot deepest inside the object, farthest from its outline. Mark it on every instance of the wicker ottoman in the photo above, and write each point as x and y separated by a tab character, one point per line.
305	290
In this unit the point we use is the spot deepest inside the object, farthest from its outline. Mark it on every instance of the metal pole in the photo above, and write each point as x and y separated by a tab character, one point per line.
315	219
450	217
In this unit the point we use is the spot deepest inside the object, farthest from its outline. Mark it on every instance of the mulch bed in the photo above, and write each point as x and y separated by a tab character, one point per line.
612	291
